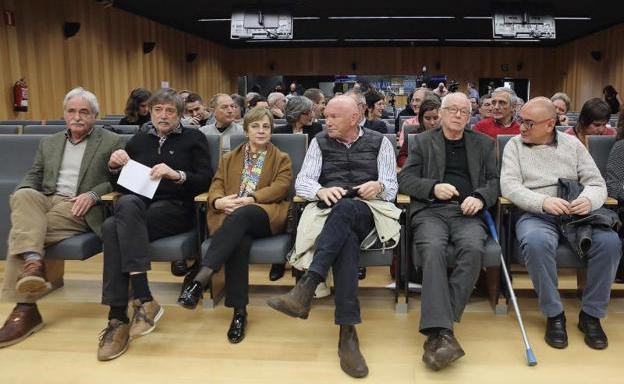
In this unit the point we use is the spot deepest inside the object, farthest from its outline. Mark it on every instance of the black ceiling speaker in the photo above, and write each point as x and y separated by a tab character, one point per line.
148	46
70	28
190	57
354	66
596	55
272	66
519	66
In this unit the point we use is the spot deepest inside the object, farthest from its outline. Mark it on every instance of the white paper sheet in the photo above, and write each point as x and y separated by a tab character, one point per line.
136	177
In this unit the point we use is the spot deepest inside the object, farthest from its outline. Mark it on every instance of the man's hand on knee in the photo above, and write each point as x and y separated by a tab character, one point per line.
331	195
82	204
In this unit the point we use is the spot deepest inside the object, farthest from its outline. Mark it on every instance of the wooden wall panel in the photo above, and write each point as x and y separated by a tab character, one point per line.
105	57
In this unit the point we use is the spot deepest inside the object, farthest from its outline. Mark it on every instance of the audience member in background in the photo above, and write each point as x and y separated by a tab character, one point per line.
292	90
612	98
277	103
196	110
224	125
329	169
258	101
533	164
451	177
518	105
318	98
441	90
485	107
239	107
138	220
56	199
360	100
137	111
375	104
407	111
472	92
428	117
561	102
184	94
298	114
417	98
247	200
615	165
249	96
592	120
474	104
502	121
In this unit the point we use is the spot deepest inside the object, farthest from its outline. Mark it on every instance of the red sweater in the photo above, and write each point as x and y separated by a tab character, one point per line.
489	127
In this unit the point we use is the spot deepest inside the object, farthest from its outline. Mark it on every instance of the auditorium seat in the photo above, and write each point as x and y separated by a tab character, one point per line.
42	129
20	122
10	129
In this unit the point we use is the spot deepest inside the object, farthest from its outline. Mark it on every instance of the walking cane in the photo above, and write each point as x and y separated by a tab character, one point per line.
530	356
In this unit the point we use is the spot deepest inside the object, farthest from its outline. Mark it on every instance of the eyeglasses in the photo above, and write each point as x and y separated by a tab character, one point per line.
529	123
169	111
453	110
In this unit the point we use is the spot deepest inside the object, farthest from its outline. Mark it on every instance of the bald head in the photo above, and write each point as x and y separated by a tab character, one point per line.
541	106
537	121
342	116
456	98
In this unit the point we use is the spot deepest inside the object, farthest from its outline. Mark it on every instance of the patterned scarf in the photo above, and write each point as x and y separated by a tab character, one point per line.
252	168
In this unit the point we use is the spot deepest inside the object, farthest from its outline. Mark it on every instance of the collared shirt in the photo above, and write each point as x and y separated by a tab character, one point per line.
307	184
68	136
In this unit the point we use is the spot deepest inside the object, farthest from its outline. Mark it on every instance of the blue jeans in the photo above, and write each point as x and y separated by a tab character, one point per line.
539	236
338	247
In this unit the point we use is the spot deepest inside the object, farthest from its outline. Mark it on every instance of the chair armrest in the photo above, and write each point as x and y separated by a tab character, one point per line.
111	197
299	200
611	201
504	201
202	198
403	199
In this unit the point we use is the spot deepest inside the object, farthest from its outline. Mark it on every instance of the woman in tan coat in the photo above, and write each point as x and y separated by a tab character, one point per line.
247	200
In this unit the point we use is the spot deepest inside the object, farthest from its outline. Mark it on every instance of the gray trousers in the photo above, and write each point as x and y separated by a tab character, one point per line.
443	297
539	236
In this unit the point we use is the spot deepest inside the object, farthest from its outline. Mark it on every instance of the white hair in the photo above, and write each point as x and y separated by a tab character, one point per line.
87	96
445	99
274	97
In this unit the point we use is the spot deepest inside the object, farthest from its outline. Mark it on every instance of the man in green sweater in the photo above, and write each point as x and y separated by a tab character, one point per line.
56	199
533	162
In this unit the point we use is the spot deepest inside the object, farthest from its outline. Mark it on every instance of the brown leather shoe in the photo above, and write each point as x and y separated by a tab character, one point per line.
351	360
23	321
32	279
441	349
298	301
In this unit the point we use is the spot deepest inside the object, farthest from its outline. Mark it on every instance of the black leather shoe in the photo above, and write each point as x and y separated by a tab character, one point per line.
191	294
179	268
556	335
277	272
361	273
236	333
441	349
594	335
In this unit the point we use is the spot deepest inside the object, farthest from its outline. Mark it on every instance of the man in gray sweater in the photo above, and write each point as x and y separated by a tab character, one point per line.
532	164
224	125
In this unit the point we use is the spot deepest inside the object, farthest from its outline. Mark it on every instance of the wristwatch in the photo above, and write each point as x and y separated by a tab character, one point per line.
382	190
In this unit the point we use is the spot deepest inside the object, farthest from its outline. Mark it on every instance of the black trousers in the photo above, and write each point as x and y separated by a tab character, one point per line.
127	234
338	247
231	245
443	298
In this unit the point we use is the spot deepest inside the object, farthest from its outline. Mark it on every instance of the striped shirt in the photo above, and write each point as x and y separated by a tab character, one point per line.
307	184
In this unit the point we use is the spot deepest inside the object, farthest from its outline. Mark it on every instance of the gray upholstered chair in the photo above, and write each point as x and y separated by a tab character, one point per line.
122	129
55	122
599	148
490	261
20	122
42	129
10	129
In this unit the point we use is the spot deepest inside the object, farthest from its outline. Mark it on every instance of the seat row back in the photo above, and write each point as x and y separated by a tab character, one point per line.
51	129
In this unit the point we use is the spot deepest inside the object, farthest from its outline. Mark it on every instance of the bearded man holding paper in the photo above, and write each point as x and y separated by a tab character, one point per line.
180	158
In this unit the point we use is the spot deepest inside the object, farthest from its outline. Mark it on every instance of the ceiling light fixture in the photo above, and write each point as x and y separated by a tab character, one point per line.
579	18
477	17
293	41
203	20
306	18
387	17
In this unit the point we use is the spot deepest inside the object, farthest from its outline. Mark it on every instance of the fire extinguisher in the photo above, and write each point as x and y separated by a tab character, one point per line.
20	96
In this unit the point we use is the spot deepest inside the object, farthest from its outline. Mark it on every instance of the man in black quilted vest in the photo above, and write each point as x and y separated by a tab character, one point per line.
342	162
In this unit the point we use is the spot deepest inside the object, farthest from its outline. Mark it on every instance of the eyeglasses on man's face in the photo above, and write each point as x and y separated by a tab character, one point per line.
453	110
529	124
